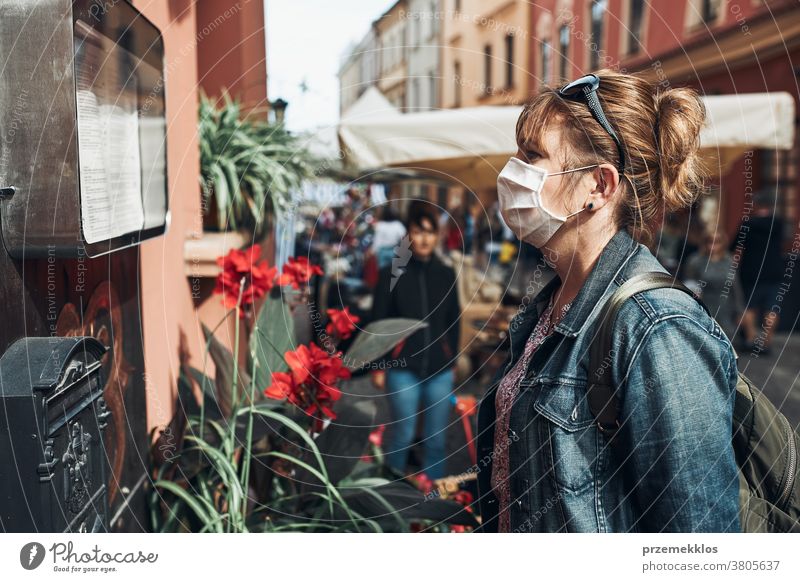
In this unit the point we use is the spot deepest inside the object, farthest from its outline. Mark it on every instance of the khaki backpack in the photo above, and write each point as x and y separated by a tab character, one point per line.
765	445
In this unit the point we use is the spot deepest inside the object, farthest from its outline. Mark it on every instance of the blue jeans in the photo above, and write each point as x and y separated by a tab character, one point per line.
406	391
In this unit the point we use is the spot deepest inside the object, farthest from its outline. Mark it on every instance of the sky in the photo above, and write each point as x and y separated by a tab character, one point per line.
306	40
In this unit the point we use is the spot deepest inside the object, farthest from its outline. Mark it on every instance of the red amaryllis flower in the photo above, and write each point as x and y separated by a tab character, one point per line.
463	497
311	381
298	271
341	322
376	440
376	436
238	265
422	482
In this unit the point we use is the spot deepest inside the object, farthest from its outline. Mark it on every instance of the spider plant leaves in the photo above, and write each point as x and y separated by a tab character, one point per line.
247	165
207	514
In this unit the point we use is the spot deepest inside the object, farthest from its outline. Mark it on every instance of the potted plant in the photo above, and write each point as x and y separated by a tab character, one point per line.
277	445
248	167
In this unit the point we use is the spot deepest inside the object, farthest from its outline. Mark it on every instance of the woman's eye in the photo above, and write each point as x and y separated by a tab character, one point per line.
532	155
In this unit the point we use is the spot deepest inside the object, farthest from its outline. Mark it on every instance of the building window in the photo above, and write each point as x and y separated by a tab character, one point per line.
509	60
635	27
597	18
710	10
487	69
546	51
432	89
457	84
563	48
434	21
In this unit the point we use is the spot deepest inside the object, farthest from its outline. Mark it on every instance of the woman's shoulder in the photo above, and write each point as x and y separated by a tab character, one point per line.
648	308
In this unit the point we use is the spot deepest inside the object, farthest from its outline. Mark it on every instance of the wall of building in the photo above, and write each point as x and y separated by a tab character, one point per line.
166	295
468	27
209	45
391	31
232	53
424	47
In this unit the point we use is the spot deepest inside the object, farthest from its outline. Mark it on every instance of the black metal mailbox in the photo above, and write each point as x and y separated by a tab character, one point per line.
53	461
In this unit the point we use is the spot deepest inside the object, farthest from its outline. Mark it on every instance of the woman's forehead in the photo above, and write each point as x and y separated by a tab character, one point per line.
547	138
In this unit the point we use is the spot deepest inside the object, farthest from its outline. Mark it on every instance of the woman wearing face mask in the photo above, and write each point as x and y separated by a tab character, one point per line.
600	162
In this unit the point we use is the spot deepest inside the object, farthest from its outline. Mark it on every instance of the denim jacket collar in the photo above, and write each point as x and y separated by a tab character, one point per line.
612	260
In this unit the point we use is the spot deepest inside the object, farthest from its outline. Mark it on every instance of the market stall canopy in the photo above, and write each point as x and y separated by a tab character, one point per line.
471	145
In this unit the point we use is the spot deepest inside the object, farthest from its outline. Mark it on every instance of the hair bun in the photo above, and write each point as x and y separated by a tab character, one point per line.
680	117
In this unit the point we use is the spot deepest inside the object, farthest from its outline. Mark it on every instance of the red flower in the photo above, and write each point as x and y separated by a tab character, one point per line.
376	436
341	322
297	272
463	497
311	381
376	440
422	482
238	265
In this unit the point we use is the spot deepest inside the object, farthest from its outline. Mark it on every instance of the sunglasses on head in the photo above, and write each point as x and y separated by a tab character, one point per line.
586	88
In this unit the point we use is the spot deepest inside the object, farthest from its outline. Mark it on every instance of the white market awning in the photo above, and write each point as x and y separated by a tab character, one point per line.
471	145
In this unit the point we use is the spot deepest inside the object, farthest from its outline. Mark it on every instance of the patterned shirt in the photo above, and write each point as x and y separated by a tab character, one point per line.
504	400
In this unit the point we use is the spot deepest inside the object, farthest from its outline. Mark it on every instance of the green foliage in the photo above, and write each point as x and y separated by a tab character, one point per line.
378	338
247	167
234	463
273	336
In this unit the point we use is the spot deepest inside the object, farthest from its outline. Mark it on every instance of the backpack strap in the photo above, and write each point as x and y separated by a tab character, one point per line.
602	395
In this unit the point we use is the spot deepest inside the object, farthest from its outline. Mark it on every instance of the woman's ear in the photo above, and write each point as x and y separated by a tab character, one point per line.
607	179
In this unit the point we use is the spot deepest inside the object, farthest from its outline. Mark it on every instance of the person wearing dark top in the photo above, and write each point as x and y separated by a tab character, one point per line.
760	240
419	376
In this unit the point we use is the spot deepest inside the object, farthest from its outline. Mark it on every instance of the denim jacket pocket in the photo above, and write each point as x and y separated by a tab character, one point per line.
569	435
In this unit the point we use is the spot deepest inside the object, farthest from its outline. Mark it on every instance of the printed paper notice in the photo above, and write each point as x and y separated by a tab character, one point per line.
108	141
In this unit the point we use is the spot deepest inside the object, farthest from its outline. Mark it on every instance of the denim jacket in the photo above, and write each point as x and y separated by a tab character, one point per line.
671	466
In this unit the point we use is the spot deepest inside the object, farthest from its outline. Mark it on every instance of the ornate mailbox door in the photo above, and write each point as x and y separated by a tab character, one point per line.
84	298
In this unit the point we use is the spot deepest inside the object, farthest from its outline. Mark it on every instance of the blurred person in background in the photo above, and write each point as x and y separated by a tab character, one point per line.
669	243
419	287
761	269
469	231
389	231
456	226
712	275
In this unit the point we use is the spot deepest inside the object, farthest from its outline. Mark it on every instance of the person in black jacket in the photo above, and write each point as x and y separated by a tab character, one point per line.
761	269
419	376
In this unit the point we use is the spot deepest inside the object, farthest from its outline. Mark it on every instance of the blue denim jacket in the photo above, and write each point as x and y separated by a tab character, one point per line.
671	467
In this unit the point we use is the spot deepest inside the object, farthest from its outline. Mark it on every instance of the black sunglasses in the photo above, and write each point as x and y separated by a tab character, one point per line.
586	87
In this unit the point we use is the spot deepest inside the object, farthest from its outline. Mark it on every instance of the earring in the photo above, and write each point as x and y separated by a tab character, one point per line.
591	205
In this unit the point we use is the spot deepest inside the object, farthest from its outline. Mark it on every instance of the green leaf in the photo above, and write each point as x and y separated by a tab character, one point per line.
273	335
192	502
379	338
223	360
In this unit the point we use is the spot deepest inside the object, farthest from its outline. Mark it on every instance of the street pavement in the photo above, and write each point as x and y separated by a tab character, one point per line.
777	374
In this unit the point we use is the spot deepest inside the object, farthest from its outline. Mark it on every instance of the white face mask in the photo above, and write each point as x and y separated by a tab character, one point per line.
519	191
